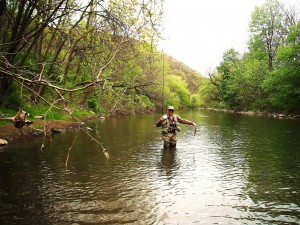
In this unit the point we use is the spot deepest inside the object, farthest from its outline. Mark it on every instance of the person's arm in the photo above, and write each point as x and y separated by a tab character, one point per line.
159	122
184	121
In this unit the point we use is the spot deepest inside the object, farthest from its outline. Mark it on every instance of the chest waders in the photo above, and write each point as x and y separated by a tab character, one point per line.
168	127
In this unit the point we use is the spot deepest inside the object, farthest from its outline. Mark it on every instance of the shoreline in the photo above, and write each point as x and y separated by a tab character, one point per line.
40	128
252	113
10	134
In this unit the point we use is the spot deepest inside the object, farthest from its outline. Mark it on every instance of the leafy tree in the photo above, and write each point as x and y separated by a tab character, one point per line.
210	93
190	76
227	70
265	77
267	28
68	51
179	87
284	82
246	86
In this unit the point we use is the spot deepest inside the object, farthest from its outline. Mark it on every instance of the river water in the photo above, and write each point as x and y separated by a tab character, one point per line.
237	170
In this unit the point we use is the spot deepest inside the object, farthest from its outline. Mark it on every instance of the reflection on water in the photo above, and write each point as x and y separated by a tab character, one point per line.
168	163
236	170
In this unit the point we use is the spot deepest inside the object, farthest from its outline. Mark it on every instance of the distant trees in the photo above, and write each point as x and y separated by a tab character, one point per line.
268	29
283	83
181	84
266	78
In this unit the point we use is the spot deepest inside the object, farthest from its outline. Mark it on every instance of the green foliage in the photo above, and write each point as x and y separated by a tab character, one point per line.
53	113
191	77
13	99
93	104
267	76
179	87
128	72
210	95
82	47
267	28
195	101
141	103
6	112
244	89
181	84
228	70
283	84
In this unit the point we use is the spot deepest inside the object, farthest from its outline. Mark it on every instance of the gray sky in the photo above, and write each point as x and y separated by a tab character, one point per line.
198	32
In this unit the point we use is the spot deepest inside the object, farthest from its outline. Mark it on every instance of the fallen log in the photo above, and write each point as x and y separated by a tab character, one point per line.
19	120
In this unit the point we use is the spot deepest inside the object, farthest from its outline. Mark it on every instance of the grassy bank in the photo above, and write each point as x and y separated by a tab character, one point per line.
53	114
53	119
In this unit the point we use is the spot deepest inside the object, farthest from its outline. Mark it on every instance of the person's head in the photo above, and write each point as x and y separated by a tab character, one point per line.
170	110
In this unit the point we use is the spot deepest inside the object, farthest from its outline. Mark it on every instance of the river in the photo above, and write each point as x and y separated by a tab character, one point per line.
238	169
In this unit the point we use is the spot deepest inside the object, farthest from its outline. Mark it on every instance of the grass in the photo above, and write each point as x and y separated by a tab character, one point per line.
53	114
4	112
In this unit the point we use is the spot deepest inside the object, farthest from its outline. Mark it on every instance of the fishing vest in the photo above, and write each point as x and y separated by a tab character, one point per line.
170	128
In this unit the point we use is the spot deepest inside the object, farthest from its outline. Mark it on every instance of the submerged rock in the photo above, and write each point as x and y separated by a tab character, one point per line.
57	131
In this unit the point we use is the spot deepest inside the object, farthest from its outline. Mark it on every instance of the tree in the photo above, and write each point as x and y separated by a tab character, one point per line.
246	86
267	28
54	49
284	82
210	92
226	69
179	87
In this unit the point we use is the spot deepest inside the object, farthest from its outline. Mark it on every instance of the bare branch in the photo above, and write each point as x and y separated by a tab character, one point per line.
214	80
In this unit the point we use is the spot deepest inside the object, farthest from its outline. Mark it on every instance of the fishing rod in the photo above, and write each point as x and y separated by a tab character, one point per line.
163	82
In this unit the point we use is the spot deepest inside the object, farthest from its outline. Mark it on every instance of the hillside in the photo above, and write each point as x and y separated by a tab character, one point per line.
182	84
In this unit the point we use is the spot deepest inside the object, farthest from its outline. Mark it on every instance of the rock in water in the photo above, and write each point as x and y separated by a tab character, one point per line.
3	142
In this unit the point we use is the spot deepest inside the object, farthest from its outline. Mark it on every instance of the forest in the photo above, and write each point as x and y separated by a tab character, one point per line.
102	57
267	77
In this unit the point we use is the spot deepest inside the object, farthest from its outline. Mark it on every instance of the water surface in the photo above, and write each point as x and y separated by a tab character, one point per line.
237	170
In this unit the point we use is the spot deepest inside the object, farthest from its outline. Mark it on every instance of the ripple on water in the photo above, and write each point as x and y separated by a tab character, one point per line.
229	173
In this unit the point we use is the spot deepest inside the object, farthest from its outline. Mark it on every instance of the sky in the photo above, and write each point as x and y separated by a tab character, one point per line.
198	32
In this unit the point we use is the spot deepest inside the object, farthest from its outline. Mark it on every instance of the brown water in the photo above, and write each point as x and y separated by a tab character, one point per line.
236	170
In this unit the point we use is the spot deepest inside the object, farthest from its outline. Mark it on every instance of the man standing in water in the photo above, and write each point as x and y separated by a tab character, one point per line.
169	123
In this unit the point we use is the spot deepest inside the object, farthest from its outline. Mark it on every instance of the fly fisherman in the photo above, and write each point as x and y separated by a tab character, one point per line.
169	123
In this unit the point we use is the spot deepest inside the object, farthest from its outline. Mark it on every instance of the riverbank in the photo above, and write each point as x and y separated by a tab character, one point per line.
252	113
40	128
9	133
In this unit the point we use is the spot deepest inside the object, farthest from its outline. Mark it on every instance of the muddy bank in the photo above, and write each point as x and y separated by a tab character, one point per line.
11	134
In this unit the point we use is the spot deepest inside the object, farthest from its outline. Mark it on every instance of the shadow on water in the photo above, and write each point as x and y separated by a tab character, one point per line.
168	163
236	170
